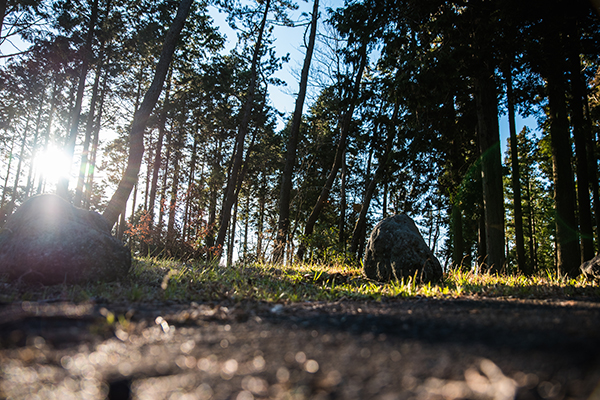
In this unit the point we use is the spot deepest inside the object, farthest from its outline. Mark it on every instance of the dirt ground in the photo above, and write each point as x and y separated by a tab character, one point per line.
462	348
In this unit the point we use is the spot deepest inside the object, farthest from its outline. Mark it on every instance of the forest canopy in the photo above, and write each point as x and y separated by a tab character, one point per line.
143	111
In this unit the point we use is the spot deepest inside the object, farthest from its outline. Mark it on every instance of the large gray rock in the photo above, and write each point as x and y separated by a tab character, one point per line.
591	268
396	250
49	241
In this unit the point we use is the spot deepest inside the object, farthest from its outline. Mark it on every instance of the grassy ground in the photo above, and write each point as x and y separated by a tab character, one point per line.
152	280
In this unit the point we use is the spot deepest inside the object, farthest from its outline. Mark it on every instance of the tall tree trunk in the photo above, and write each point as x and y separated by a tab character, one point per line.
136	105
522	262
149	162
233	183
20	163
593	169
163	188
481	236
34	148
531	216
261	218
10	158
121	225
491	167
246	225
84	167
567	246
456	161
283	227
245	164
140	120
46	136
231	245
567	250
458	248
436	234
134	202
385	198
62	188
581	161
345	127
171	234
342	217
162	121
214	183
384	160
190	185
89	185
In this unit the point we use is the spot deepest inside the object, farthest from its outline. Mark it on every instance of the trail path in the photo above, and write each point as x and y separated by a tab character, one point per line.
398	349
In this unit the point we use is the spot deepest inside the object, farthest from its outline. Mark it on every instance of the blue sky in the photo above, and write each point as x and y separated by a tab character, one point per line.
290	40
287	40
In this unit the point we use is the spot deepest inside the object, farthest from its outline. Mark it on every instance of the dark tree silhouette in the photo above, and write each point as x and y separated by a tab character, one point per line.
136	138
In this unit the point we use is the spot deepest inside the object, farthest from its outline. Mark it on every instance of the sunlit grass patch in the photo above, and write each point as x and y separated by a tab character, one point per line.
166	280
542	285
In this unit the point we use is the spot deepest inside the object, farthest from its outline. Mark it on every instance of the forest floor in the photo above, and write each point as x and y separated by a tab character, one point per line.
417	348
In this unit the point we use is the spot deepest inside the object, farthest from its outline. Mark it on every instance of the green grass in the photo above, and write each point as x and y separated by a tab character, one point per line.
154	280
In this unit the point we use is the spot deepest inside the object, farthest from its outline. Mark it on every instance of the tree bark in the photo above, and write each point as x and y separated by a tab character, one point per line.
456	161
162	120
567	250
85	156
342	218
215	184
567	245
20	163
34	149
246	226
238	153
581	162
62	188
458	248
190	185
522	262
88	138
532	230
231	245
171	234
345	127
261	218
149	162
163	187
361	222
5	189
10	158
481	237
140	119
283	227
491	168
89	186
385	198
46	136
593	167
121	225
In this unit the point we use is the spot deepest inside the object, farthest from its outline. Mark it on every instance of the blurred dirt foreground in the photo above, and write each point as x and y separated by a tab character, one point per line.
398	349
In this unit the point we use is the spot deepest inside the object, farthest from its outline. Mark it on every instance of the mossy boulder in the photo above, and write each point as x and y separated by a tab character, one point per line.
49	241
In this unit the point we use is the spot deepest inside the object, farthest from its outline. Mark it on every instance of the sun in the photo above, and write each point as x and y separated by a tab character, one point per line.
52	165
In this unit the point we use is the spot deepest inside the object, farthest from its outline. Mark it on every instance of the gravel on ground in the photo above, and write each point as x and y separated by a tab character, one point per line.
419	348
